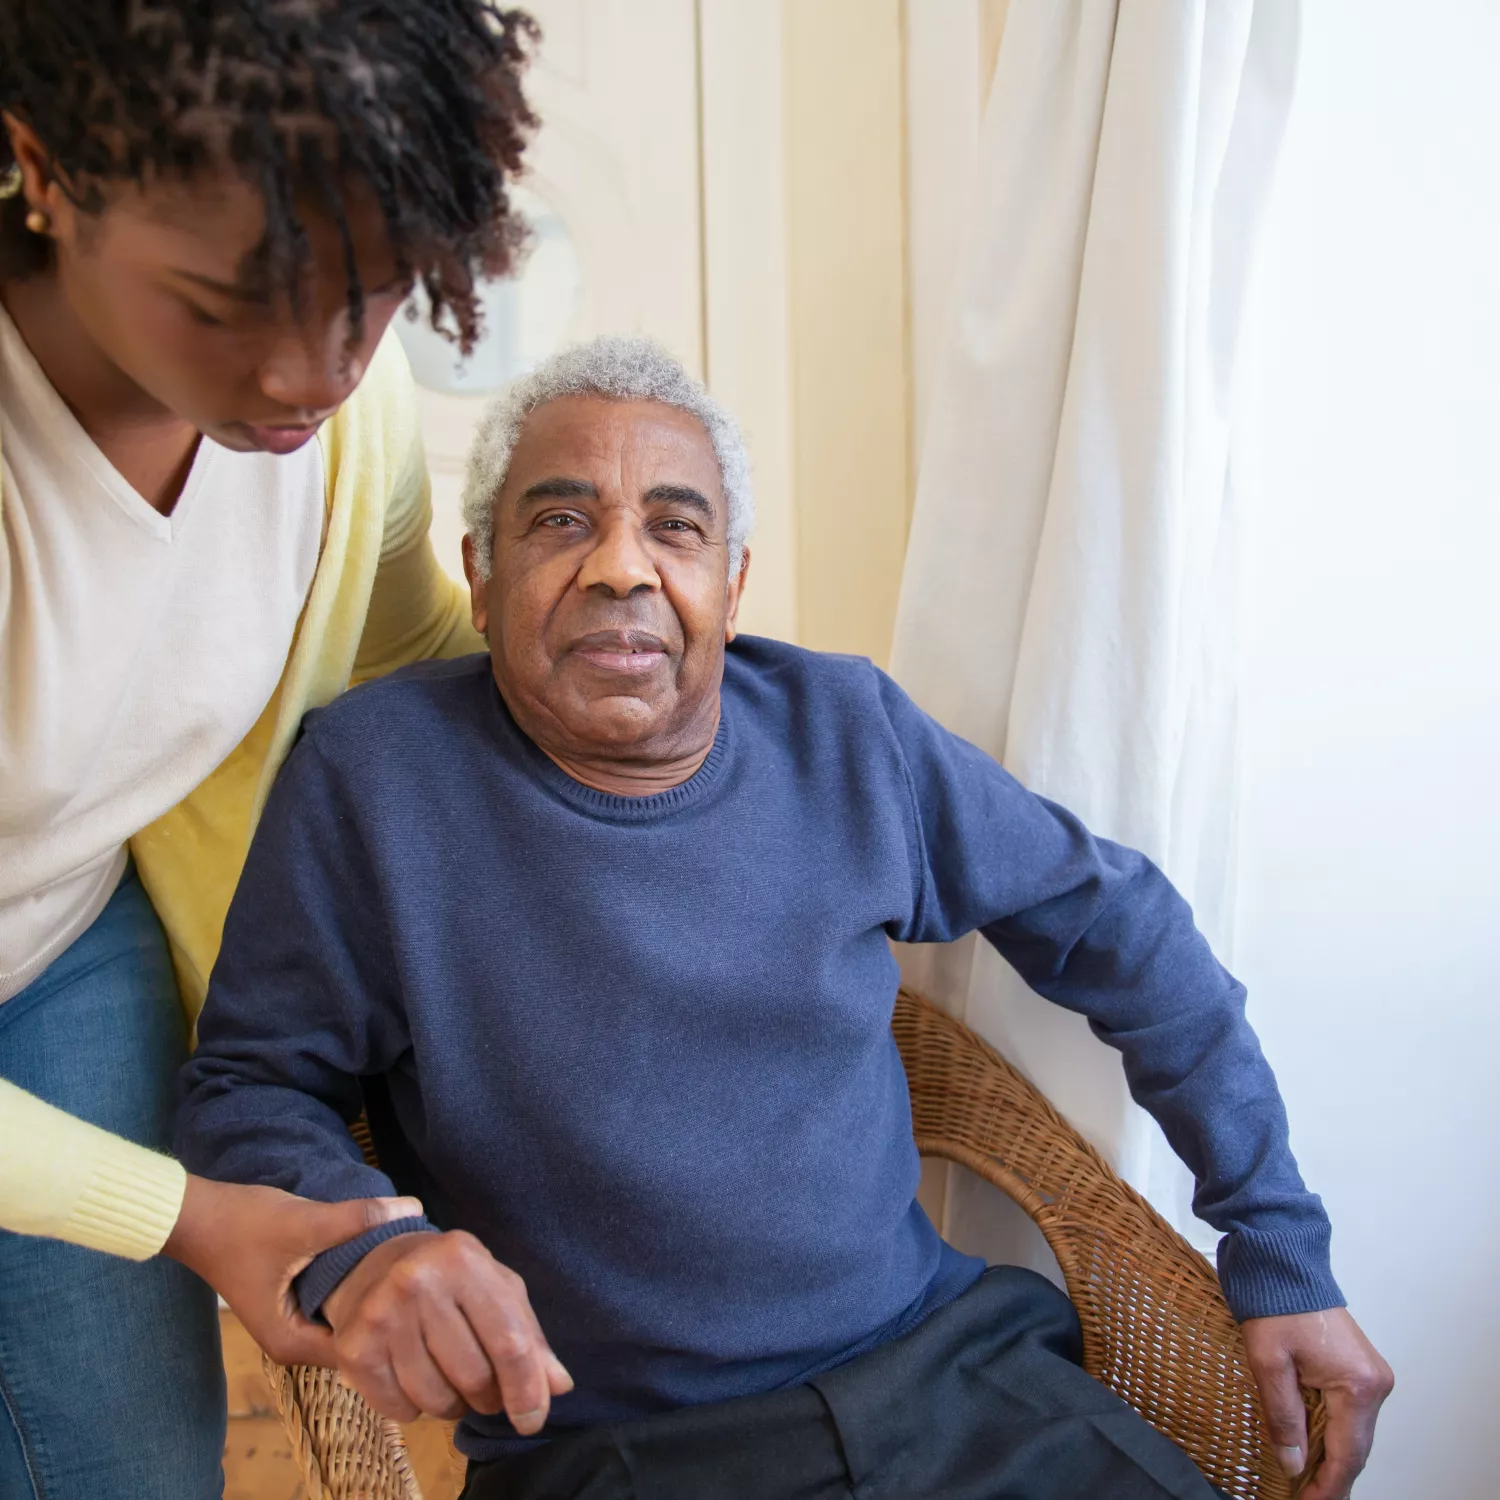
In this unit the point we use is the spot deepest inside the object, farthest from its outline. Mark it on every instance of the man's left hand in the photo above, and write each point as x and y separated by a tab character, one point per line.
1325	1351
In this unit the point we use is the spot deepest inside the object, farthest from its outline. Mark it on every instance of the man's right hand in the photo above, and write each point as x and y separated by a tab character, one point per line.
434	1323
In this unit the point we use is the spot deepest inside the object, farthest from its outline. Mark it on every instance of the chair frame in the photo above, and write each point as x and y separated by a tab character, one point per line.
1156	1328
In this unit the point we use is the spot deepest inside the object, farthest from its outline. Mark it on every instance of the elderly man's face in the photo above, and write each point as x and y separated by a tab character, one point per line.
610	598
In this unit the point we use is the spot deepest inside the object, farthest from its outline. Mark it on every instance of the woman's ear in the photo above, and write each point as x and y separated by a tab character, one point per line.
40	186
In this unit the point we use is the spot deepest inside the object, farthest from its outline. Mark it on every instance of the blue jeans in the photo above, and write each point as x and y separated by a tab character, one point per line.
111	1379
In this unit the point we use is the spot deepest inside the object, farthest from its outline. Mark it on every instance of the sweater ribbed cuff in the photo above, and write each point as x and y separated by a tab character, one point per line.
131	1202
1270	1273
315	1285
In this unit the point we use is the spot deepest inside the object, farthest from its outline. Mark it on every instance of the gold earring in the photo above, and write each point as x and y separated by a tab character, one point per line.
39	221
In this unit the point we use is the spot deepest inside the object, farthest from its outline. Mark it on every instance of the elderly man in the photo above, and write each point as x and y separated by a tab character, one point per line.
596	929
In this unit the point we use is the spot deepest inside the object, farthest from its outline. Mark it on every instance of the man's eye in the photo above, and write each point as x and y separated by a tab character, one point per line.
672	523
560	523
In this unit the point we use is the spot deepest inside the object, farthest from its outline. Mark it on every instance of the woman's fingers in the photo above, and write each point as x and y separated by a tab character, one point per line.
321	1226
293	1340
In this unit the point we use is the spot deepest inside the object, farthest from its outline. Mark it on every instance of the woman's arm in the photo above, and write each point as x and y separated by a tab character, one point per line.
65	1178
69	1180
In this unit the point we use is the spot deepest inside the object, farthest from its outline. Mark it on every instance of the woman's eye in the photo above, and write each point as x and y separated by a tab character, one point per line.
206	319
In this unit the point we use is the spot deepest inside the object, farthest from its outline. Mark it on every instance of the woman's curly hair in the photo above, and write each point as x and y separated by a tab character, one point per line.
418	99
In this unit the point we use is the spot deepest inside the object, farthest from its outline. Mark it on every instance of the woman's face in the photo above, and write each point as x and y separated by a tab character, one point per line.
165	283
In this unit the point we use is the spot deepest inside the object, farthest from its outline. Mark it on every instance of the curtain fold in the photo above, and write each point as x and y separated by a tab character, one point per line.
1069	594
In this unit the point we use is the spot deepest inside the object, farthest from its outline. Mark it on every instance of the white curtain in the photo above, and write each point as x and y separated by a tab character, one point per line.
1069	595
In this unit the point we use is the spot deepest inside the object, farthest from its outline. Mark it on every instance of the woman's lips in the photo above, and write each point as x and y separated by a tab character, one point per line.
280	439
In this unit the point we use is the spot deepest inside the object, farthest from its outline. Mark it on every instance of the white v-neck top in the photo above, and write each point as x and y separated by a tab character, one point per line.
136	649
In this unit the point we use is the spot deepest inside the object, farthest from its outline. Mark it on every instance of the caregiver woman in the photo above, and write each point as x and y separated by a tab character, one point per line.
215	517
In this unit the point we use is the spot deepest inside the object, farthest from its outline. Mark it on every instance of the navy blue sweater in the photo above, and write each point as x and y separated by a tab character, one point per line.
641	1046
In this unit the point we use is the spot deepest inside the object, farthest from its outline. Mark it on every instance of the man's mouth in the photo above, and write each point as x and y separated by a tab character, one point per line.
631	653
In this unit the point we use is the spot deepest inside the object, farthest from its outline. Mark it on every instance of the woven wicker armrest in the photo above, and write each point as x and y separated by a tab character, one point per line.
1156	1329
345	1450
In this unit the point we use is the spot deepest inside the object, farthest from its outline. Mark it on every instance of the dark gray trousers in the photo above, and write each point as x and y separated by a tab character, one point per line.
984	1400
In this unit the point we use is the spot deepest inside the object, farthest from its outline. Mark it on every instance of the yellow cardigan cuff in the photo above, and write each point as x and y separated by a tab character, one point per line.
64	1178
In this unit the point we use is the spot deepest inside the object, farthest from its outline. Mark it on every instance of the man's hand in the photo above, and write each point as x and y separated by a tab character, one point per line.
248	1243
434	1323
1325	1351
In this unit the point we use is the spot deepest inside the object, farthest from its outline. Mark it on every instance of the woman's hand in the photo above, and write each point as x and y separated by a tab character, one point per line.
249	1242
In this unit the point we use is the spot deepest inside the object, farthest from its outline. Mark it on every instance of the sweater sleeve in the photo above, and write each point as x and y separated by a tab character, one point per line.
416	612
1098	929
69	1180
300	1006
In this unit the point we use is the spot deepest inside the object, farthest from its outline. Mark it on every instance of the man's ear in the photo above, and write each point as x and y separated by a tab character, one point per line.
736	590
479	605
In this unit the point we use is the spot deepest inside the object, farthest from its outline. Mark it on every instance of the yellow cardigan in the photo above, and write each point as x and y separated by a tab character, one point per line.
378	600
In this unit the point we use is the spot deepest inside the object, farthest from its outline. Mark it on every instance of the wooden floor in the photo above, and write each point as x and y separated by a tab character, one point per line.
258	1461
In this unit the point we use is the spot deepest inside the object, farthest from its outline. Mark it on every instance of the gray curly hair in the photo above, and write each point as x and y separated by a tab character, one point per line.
618	368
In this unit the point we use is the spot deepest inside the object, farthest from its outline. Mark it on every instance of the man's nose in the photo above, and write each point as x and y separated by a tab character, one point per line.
313	370
618	560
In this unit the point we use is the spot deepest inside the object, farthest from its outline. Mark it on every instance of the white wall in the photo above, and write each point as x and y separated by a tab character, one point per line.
746	269
1369	930
615	84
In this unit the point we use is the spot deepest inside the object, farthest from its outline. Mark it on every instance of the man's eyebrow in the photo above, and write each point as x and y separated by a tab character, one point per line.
680	494
560	489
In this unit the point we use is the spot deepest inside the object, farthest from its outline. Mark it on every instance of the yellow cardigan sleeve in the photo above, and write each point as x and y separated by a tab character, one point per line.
416	612
72	1181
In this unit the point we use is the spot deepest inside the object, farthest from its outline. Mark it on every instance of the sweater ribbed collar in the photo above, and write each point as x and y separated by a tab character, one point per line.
540	766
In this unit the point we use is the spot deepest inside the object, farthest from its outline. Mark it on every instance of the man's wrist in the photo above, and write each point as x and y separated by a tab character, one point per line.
317	1288
1278	1272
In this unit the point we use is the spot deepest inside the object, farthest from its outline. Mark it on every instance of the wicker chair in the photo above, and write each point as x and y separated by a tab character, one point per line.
1155	1326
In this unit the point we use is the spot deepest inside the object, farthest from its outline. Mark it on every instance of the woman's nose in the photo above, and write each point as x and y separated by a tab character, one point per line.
312	373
